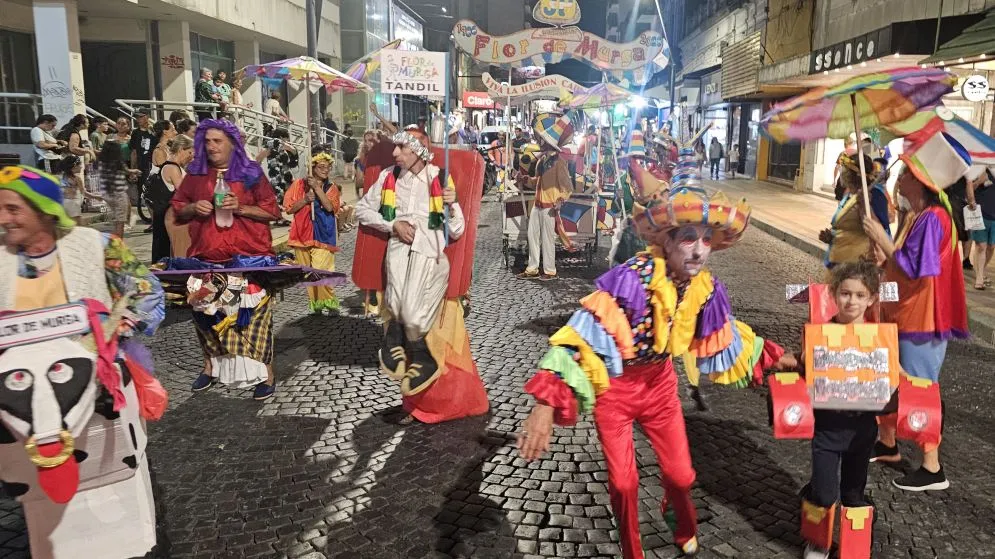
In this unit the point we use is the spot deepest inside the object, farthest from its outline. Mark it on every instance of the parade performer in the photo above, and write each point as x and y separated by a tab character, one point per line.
553	187
75	387
229	204
314	202
425	345
932	305
614	355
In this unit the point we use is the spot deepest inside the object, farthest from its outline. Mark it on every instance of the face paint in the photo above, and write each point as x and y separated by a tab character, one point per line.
687	249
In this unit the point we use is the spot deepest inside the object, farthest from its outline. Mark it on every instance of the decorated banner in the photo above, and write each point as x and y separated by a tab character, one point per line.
413	72
548	86
535	47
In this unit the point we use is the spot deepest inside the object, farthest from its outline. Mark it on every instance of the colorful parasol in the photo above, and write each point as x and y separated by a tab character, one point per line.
881	98
305	69
601	95
941	129
868	101
362	69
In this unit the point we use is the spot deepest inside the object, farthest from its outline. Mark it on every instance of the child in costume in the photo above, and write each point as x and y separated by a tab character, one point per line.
425	345
614	355
844	439
313	202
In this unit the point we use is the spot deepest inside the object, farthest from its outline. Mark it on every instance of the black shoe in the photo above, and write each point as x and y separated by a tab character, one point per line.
885	453
393	359
923	480
422	371
967	264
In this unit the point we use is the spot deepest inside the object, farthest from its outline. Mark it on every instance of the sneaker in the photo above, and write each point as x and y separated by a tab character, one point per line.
421	372
967	264
690	548
923	480
528	275
547	277
203	382
393	357
885	453
263	391
813	552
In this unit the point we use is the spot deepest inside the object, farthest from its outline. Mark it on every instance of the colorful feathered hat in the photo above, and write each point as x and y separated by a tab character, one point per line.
660	207
554	129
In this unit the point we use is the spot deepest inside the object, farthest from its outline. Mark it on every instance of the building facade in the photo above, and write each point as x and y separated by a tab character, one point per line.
79	53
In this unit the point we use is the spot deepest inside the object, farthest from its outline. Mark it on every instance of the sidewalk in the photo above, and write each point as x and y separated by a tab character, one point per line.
797	218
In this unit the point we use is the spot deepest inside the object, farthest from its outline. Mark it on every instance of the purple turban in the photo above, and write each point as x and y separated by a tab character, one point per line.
240	169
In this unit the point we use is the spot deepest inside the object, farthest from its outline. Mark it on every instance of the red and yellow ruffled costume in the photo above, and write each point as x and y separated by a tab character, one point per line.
613	357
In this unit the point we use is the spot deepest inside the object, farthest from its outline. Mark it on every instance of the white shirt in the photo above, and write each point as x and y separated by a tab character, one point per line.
272	107
38	135
411	198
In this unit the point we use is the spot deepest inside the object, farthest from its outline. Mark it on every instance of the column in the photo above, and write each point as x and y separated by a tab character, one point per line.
297	105
60	64
247	52
175	63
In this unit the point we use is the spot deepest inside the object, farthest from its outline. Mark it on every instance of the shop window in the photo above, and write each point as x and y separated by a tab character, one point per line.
784	161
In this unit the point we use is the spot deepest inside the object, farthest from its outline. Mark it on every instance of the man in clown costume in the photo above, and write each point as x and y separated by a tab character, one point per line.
614	354
409	203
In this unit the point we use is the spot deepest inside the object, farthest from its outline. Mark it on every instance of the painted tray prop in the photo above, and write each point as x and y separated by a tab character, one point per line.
72	435
467	170
273	277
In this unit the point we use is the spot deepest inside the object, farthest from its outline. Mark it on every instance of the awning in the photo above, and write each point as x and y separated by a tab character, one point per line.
977	41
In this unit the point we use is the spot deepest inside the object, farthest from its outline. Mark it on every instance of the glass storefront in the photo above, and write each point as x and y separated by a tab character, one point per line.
783	161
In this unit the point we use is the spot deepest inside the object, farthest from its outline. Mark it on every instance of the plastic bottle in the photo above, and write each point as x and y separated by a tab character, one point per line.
223	218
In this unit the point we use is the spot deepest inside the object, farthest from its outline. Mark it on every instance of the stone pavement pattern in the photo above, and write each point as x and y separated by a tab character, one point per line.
317	471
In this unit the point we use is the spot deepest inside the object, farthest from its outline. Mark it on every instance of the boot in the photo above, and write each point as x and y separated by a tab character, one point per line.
393	359
422	370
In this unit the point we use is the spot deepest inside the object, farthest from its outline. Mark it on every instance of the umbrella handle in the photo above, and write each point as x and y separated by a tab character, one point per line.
860	155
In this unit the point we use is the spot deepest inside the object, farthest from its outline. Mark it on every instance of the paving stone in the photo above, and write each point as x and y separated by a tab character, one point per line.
319	471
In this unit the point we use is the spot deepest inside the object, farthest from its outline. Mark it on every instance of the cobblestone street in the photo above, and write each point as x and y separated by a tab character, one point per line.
318	471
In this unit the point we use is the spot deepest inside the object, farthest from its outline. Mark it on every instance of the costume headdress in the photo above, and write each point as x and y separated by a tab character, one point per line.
321	157
241	168
415	140
659	208
556	130
39	188
637	145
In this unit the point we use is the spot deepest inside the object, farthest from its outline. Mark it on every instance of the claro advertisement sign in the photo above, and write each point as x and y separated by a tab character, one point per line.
477	100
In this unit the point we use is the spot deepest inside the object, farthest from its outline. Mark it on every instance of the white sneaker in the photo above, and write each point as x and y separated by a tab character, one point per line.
812	552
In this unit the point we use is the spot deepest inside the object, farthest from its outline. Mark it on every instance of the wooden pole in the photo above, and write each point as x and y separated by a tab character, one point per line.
860	155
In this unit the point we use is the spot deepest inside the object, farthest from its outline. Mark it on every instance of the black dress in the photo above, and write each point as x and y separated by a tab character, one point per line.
159	196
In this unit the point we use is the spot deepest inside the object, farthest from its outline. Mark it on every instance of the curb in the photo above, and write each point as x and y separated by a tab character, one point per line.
982	327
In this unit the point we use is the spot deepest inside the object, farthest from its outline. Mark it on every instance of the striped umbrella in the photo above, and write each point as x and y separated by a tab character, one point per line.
307	70
940	128
868	101
362	69
600	95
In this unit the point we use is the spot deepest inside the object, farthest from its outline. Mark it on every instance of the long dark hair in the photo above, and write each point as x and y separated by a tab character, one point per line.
160	128
111	157
73	126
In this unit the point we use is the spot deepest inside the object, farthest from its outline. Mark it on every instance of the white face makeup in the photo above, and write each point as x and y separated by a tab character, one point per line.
687	249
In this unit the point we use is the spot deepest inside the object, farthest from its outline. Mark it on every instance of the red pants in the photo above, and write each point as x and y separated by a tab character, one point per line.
647	394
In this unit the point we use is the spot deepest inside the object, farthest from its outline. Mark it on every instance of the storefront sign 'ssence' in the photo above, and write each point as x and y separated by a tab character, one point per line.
859	49
975	88
413	72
